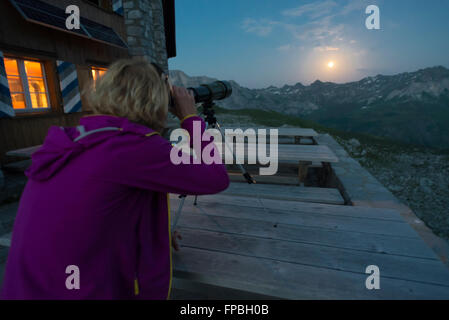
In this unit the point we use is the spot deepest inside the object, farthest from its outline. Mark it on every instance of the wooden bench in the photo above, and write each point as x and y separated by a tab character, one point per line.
294	250
23	153
299	135
280	192
287	154
20	166
236	176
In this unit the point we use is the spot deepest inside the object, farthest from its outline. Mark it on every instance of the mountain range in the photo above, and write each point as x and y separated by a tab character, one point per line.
412	107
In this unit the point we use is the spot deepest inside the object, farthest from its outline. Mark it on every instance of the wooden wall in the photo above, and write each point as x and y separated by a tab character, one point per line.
21	37
27	131
29	40
97	14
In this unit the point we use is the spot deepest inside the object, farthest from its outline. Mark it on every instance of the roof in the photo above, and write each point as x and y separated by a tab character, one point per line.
48	15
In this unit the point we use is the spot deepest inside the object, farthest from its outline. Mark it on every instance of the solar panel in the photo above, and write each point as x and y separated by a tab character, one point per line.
42	13
102	33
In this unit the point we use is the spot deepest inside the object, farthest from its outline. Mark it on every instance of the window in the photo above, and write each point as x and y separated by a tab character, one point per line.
27	83
97	73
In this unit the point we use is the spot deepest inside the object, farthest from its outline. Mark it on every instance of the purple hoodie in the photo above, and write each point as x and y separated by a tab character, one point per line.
102	205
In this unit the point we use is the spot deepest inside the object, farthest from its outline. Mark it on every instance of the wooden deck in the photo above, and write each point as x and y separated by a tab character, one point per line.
295	250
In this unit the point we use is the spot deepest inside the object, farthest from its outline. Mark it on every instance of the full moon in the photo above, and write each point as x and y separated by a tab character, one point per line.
330	64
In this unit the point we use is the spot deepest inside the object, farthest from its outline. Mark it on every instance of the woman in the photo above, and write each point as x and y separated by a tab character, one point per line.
95	208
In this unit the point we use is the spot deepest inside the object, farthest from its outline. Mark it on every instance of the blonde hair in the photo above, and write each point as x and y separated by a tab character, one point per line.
131	88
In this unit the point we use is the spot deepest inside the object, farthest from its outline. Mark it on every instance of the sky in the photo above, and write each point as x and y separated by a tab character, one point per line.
259	43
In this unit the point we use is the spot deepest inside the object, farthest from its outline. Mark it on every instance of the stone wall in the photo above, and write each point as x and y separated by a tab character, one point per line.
144	20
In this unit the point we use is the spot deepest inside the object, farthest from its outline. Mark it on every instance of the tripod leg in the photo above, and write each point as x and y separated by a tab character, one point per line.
178	213
245	173
302	171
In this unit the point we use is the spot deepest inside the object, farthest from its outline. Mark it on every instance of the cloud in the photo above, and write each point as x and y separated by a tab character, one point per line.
312	10
284	47
324	49
318	9
319	24
321	30
360	53
354	6
318	19
261	27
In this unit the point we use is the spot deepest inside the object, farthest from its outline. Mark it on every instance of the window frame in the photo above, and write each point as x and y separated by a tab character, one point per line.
26	88
96	69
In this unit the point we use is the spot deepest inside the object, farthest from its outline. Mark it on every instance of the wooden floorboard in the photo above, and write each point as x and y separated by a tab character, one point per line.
347	211
293	193
292	281
314	220
303	250
392	266
384	244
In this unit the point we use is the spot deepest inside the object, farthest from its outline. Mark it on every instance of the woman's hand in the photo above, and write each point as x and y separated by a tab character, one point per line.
175	238
184	102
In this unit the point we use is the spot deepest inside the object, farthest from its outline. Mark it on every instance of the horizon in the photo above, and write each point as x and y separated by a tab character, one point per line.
261	44
292	84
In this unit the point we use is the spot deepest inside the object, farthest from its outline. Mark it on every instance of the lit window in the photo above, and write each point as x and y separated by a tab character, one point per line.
97	73
27	84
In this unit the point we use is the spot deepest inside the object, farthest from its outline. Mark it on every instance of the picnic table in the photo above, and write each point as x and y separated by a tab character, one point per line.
303	155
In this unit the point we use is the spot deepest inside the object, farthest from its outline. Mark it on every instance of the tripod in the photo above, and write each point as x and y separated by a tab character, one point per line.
211	121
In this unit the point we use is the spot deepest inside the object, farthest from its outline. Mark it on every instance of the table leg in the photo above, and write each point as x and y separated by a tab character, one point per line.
302	171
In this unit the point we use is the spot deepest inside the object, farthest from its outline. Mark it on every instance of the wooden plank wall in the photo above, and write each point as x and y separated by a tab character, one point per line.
20	37
22	132
85	83
99	14
28	40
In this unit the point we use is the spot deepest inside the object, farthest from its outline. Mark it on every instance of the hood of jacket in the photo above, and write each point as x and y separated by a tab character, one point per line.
64	144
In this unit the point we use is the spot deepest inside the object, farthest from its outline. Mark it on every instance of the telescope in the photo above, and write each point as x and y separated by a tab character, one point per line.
206	93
